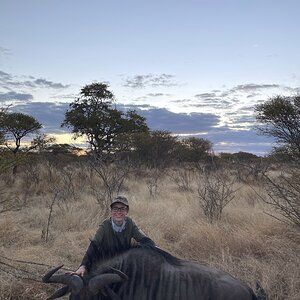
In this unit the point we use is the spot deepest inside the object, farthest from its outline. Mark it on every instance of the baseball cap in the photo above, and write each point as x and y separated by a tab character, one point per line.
120	199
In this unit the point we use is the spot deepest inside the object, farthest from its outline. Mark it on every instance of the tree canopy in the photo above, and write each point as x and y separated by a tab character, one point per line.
93	115
155	149
279	117
16	126
193	149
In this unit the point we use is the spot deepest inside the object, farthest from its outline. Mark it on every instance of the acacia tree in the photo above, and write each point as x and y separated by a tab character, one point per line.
16	126
93	115
193	149
280	118
155	149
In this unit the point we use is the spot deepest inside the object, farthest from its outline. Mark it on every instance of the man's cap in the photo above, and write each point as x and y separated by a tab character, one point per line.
120	199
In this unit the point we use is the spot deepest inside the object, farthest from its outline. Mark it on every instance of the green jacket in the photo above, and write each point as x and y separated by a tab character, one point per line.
108	243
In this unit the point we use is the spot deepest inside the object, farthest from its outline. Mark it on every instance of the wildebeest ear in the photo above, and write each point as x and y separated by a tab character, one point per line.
59	293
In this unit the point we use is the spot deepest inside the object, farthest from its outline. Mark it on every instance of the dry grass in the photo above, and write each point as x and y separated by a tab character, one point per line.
246	242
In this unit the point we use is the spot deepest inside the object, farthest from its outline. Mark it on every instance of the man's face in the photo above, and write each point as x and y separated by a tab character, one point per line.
119	212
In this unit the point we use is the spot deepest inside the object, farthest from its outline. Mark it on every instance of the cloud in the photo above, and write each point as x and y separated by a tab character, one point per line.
4	51
49	84
230	101
163	119
150	80
66	96
214	101
295	90
9	81
9	96
159	119
181	101
253	95
157	94
5	76
207	100
206	95
231	105
14	89
125	107
271	55
50	114
252	87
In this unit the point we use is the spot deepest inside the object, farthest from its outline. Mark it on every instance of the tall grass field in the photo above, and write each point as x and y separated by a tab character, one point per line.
49	213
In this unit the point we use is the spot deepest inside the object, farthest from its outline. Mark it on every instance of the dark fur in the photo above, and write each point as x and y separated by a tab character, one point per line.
154	274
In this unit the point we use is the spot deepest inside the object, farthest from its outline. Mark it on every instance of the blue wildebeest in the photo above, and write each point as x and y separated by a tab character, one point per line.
151	274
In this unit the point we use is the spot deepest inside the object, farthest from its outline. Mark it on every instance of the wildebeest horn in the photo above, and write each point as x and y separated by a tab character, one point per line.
73	282
100	281
59	293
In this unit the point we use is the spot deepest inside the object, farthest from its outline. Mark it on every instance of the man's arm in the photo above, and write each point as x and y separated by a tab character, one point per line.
91	252
90	255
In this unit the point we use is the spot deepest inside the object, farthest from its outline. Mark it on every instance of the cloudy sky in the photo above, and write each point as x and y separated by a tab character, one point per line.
191	67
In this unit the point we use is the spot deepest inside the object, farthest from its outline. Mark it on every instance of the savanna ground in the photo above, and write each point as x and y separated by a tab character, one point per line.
58	208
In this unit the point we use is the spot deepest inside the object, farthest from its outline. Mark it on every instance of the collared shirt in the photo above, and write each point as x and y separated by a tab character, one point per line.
116	227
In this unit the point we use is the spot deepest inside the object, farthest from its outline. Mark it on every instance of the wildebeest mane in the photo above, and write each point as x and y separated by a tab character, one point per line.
157	254
169	258
104	254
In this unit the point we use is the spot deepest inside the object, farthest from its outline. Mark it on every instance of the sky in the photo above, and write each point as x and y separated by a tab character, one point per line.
194	68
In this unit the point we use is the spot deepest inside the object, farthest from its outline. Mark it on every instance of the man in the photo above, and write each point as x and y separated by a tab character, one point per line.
113	236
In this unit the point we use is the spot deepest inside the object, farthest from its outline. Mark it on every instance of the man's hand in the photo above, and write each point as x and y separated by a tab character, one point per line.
80	271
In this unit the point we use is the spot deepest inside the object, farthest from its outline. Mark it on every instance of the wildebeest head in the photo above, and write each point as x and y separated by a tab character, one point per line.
85	288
